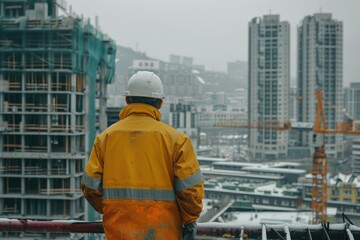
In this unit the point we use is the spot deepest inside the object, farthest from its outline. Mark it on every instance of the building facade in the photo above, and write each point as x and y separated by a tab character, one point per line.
356	157
53	72
352	101
182	117
320	66
268	82
220	117
343	191
293	99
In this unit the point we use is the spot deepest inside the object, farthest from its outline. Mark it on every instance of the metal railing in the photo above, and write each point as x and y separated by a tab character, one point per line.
346	231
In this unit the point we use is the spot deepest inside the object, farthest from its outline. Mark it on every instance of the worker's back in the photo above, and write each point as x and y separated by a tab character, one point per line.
142	174
139	164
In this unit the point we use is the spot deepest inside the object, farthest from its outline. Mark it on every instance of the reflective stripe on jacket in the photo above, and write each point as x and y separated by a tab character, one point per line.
144	177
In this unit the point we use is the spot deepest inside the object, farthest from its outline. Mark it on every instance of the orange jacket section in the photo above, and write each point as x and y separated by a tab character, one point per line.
146	219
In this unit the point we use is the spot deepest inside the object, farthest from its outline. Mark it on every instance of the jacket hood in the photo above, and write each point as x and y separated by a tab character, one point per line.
140	108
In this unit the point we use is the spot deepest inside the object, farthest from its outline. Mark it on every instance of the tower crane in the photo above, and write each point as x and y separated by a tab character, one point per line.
319	168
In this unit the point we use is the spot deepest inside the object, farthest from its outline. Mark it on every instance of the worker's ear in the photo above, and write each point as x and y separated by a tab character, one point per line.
160	104
127	100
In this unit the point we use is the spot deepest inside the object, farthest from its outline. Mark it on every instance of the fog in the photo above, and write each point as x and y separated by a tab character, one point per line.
213	32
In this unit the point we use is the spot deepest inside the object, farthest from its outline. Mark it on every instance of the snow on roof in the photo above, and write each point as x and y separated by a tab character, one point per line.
228	173
273	189
267	207
221	190
284	164
345	178
200	79
238	164
275	170
266	187
340	178
211	159
259	167
268	217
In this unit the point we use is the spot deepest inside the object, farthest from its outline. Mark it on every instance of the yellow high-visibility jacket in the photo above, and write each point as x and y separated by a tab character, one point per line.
143	175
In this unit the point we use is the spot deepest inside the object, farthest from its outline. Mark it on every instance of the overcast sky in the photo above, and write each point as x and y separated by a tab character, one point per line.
214	32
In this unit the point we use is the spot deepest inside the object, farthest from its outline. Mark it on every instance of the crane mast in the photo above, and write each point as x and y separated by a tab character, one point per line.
319	172
319	168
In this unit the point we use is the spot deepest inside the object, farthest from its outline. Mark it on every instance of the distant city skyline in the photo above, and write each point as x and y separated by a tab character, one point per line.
213	32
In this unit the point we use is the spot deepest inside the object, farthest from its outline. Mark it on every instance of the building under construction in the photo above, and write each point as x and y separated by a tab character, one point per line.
54	70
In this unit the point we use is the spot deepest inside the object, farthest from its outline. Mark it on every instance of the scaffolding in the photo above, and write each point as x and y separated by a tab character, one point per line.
52	70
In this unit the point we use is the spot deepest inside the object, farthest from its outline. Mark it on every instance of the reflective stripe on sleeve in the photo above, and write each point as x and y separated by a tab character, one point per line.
92	183
145	194
189	181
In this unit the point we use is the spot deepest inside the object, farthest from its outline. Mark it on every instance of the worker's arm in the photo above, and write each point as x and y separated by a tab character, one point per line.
91	183
189	184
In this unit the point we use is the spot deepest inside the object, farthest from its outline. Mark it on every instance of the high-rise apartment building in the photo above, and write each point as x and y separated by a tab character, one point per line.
320	66
352	100
293	103
352	108
53	72
268	82
356	156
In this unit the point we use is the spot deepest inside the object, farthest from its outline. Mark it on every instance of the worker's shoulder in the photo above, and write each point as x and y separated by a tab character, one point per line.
109	129
166	127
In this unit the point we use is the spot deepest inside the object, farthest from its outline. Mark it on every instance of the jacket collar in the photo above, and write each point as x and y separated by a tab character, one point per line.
140	109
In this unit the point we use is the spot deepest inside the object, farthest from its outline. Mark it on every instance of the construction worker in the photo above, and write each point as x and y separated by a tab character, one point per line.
143	175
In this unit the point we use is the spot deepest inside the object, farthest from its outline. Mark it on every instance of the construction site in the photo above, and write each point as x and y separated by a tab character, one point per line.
54	70
55	67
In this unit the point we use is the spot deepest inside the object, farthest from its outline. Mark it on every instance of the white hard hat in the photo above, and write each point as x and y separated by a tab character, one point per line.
145	84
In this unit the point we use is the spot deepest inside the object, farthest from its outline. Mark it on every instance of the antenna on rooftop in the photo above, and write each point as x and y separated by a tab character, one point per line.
97	23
